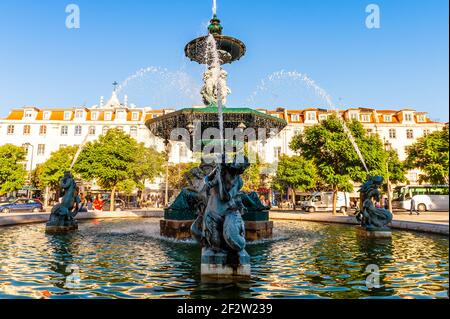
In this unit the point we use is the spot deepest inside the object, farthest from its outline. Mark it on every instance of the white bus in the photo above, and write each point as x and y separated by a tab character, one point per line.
426	198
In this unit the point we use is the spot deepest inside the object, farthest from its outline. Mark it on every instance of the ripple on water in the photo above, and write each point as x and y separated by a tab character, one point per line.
129	259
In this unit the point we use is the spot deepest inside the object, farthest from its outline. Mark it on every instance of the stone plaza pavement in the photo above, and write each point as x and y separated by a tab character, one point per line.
431	222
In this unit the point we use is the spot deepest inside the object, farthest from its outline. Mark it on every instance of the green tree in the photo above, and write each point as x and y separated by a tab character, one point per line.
148	166
51	171
430	154
295	173
110	160
12	171
177	172
252	176
338	164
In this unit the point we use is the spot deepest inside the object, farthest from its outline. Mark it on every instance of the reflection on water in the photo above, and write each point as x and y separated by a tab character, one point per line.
128	259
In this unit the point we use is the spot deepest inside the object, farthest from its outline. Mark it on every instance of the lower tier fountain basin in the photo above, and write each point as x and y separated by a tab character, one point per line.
129	259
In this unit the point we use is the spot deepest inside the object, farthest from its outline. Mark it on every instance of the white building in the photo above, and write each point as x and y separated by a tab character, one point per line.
45	130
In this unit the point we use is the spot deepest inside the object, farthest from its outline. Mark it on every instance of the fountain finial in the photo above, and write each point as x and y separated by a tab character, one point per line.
215	27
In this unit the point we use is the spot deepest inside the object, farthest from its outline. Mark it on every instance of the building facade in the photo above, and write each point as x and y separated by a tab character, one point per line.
44	130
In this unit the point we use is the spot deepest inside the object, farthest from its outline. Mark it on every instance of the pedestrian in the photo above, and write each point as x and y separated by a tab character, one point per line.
98	203
413	207
83	203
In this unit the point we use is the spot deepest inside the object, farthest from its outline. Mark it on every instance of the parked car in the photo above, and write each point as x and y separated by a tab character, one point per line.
119	206
323	202
22	205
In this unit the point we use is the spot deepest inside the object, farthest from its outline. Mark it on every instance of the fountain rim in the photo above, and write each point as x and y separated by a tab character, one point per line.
201	41
214	109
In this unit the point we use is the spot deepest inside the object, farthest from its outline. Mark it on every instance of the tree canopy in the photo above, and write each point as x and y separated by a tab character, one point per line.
337	162
295	172
12	171
431	155
51	171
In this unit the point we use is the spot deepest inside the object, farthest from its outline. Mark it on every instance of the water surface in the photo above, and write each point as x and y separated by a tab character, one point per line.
128	259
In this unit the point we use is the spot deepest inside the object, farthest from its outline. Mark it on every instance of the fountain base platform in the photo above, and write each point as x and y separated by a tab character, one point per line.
225	265
181	229
49	229
382	233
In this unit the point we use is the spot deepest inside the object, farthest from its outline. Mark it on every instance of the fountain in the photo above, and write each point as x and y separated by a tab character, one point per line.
213	209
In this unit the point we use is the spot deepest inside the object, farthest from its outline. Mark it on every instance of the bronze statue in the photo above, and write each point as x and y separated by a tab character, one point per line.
371	217
62	216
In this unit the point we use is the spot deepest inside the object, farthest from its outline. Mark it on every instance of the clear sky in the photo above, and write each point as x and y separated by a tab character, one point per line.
403	64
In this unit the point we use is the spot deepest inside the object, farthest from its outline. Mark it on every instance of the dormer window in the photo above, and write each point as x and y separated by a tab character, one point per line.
67	116
421	118
121	115
388	118
94	116
108	116
46	115
408	117
135	116
79	115
312	116
295	117
28	114
354	116
365	118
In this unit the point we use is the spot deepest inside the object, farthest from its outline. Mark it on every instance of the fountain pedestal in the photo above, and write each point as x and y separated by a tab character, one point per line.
177	223
231	265
383	233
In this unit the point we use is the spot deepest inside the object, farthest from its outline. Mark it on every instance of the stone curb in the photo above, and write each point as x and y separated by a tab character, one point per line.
20	219
349	220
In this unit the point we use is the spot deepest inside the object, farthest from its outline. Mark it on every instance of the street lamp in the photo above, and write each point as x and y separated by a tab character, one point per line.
388	148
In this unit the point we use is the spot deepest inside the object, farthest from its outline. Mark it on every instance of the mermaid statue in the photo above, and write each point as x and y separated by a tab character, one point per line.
62	218
370	216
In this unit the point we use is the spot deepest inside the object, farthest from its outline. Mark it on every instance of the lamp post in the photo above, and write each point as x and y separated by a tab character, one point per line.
28	145
388	148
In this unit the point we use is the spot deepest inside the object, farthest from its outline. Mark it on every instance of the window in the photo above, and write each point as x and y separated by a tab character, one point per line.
323	118
295	118
64	130
409	134
94	116
408	117
392	133
277	152
311	116
120	128
121	115
26	148
67	116
354	116
133	131
426	132
105	129
26	130
41	149
365	118
78	130
421	118
135	116
91	130
46	116
388	118
108	116
10	129
79	115
42	130
28	114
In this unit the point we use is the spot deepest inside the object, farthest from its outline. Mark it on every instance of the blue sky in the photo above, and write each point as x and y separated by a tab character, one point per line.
402	64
